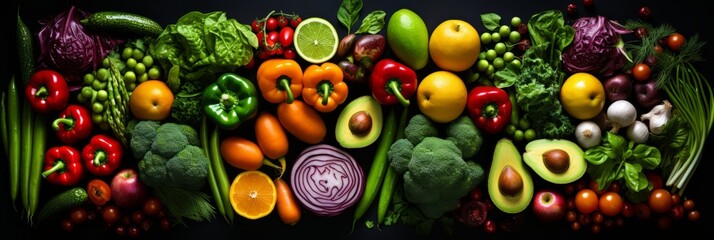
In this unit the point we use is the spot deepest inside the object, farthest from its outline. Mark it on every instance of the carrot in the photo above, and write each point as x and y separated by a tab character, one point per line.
241	153
302	121
288	208
270	135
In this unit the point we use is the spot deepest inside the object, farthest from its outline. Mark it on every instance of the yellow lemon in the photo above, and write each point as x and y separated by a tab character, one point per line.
454	45
441	96
582	96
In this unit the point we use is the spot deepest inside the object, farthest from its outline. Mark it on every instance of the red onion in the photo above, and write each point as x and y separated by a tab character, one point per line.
327	180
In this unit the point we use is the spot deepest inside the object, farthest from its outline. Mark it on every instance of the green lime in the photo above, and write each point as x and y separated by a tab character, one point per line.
315	40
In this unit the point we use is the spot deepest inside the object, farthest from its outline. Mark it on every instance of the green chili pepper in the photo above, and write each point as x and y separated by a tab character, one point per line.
229	101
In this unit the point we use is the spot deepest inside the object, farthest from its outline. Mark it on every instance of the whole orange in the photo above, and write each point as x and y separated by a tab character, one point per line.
151	100
454	45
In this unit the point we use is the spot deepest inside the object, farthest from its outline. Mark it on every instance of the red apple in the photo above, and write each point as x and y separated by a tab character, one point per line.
549	205
127	190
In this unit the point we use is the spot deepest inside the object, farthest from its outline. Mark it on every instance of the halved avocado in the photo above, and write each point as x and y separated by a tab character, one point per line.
510	185
366	106
538	150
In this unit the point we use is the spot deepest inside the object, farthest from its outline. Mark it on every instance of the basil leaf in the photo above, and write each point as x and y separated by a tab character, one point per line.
649	157
635	179
617	143
597	155
603	174
348	13
491	21
372	23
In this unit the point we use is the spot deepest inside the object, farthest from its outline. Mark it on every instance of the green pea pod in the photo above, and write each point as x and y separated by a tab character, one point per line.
229	101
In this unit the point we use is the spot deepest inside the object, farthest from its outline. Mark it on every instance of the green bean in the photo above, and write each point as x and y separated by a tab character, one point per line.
3	122
390	178
220	172
378	168
39	142
14	137
26	152
212	182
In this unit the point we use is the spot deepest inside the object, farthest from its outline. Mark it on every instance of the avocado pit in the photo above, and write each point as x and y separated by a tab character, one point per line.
556	160
360	123
510	182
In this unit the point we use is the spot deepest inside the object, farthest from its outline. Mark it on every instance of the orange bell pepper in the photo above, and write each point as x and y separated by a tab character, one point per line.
280	80
323	86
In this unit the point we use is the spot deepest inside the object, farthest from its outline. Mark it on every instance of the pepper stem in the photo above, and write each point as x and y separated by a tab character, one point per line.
284	84
41	92
59	165
227	101
100	157
325	91
68	123
490	111
394	86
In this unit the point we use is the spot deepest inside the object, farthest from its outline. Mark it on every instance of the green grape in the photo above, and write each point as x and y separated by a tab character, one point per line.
154	73
98	85
514	37
504	30
524	123
131	86
518	135
482	65
105	62
510	129
102	74
490	70
529	134
81	98
102	95
516	63
148	61
97	118
88	79
97	107
129	76
491	54
495	37
515	21
498	63
140	68
137	54
508	56
87	92
486	38
475	77
500	48
482	55
126	54
143	77
131	63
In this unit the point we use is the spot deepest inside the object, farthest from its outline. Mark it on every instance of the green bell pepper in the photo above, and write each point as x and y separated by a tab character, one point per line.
229	101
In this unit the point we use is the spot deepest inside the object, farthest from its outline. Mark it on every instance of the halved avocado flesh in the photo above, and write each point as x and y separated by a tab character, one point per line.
506	154
345	137
534	158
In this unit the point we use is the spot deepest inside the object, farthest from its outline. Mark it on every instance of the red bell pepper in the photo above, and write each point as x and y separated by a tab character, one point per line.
392	82
490	108
102	156
63	166
47	91
74	124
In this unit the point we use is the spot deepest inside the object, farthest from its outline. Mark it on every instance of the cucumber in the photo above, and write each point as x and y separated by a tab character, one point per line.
113	22
25	51
61	203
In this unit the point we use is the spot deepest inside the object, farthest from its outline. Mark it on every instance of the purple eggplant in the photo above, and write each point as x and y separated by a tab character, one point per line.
368	49
352	72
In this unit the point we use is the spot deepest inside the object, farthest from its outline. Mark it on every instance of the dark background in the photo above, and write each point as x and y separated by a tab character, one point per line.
687	16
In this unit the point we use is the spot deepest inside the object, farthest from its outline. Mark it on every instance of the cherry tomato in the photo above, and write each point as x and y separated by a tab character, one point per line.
111	214
289	53
641	72
688	204
137	217
586	200
655	179
78	215
295	21
675	41
660	201
282	21
693	216
261	38
133	231
99	192
285	37
271	24
255	26
476	194
67	225
152	206
610	204
165	224
628	210
643	211
596	187
273	36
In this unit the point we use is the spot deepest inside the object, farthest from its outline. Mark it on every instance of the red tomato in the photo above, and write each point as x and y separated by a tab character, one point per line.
655	179
289	53
675	41
273	36
641	72
152	206
111	214
282	21
261	38
256	26
610	204
295	21
586	200
660	201
271	24
286	36
99	192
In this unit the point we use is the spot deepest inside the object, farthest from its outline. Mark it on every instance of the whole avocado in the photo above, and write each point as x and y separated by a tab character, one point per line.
408	38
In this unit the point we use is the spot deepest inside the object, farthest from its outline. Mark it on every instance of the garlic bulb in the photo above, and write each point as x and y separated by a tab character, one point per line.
637	132
658	117
621	113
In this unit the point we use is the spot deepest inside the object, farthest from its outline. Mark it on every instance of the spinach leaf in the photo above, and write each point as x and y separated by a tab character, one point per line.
372	23
635	179
491	21
348	13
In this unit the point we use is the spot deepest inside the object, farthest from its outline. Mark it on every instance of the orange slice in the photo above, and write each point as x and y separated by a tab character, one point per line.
253	194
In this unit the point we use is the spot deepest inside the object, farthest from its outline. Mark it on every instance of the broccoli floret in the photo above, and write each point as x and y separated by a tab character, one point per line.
437	176
465	135
399	155
189	168
191	135
419	127
169	140
152	170
142	137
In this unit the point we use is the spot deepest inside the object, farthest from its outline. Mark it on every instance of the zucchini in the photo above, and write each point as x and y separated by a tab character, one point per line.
62	203
25	51
113	22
